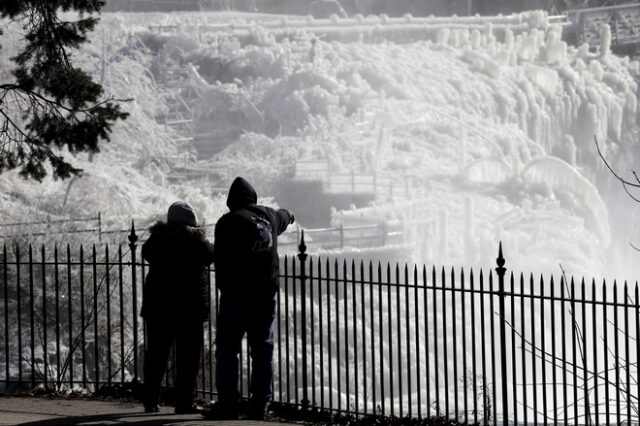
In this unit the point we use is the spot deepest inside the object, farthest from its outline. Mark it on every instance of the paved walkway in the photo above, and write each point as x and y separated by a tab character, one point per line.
70	411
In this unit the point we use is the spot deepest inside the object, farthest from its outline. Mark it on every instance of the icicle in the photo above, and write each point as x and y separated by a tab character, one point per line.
596	70
475	39
630	108
605	40
555	49
509	39
465	38
455	38
528	48
615	118
488	33
443	37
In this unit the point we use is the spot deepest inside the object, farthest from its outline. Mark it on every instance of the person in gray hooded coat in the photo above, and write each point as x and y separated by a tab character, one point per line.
175	304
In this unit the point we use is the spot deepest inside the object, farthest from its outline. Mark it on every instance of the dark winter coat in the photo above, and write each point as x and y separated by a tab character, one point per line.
176	285
234	271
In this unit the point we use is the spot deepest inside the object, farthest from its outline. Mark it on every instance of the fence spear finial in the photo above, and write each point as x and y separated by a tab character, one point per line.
302	247
500	259
132	235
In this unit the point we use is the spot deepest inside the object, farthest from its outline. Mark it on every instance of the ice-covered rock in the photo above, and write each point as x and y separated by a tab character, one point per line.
546	79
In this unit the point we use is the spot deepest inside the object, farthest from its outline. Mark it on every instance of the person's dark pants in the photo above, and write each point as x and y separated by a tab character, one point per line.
188	337
253	315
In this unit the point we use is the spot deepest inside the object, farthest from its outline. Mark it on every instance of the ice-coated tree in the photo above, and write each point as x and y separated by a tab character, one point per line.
48	106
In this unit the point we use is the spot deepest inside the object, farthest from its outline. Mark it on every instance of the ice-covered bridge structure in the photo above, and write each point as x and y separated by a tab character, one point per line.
585	26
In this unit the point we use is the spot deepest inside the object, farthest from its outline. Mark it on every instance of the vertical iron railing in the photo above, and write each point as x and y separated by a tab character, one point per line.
500	270
133	239
302	256
352	337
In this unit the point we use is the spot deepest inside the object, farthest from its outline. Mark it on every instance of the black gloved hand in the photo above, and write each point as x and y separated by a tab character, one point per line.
292	218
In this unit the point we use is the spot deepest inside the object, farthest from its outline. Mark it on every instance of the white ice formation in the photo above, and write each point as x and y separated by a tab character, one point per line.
491	120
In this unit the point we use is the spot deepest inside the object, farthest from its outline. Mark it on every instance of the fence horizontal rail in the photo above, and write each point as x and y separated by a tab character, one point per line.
326	238
351	337
48	222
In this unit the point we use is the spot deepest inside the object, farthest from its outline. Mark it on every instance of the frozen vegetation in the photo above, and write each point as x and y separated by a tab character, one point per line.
491	123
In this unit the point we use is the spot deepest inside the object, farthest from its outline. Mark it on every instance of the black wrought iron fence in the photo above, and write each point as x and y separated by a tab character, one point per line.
351	337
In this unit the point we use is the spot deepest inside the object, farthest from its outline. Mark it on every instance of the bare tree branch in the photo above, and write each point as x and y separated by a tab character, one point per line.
624	185
621	179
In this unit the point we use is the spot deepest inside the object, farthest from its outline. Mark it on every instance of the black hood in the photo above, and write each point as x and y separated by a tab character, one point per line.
241	194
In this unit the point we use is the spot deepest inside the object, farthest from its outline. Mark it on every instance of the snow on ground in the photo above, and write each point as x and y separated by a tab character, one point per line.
493	127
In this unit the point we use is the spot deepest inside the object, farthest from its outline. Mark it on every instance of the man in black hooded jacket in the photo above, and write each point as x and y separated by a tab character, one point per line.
246	263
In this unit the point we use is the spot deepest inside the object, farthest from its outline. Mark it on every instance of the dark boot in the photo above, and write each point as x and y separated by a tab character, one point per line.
151	408
221	411
257	410
191	408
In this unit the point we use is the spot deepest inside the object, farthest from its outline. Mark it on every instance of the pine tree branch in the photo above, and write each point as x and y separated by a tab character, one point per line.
50	102
57	104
